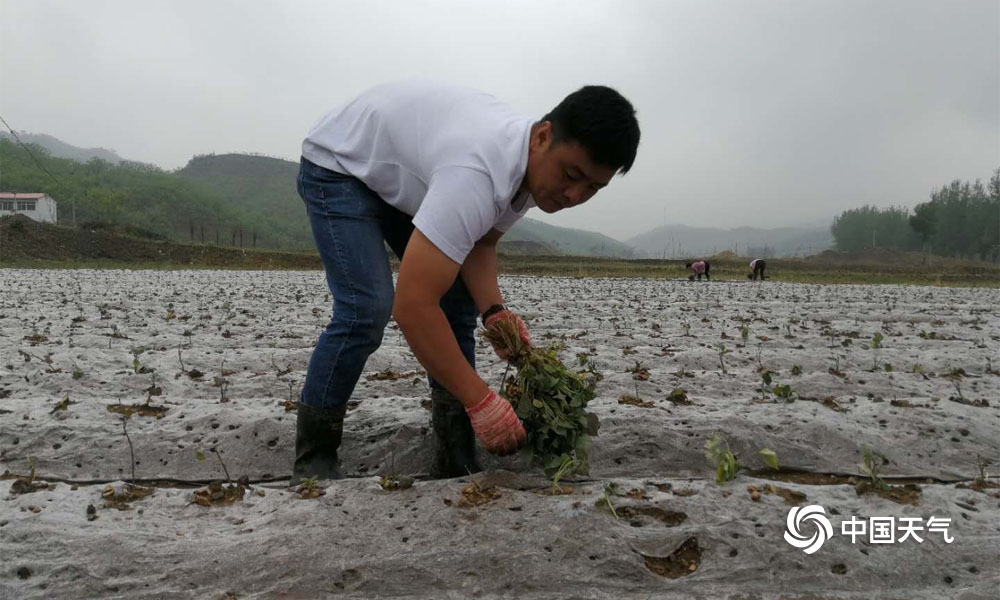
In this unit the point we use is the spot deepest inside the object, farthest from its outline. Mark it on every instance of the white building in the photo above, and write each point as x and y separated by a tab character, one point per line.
40	207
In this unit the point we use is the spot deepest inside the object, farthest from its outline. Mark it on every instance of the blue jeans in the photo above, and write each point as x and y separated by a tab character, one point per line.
351	226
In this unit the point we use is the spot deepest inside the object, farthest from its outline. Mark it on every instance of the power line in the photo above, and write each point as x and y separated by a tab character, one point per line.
30	153
39	163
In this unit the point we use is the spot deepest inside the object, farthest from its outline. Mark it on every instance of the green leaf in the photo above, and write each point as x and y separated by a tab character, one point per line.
198	454
770	458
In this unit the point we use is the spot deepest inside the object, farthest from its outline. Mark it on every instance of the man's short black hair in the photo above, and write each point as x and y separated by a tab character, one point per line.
602	121
687	265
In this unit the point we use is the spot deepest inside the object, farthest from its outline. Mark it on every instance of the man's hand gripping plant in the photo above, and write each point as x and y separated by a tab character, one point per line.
549	398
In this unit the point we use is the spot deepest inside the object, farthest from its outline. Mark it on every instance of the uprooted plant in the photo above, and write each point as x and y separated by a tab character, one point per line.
551	400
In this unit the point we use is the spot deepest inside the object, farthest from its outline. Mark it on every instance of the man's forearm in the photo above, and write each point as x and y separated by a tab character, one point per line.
479	273
430	337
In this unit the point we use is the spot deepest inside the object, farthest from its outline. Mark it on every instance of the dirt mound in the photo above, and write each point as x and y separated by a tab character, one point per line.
22	238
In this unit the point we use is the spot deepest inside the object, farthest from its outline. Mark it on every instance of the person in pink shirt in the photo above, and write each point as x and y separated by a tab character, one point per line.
698	268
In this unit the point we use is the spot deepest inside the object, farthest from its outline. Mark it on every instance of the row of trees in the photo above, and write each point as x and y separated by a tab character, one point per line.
961	219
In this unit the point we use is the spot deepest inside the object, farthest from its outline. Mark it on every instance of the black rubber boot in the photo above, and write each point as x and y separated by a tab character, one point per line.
318	432
454	440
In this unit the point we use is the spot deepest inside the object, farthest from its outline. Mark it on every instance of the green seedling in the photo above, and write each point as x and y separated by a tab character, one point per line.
785	392
605	498
770	458
765	388
567	465
725	462
871	466
876	340
796	370
136	353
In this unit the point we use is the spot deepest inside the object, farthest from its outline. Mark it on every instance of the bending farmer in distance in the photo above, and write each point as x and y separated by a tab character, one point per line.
439	173
698	268
757	267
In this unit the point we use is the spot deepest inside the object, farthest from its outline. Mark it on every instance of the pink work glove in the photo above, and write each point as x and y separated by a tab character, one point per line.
496	424
507	315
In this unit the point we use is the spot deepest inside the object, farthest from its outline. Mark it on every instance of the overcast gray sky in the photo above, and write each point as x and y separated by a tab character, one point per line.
759	113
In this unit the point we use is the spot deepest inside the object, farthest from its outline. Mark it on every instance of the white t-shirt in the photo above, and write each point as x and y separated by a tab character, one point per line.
753	263
449	156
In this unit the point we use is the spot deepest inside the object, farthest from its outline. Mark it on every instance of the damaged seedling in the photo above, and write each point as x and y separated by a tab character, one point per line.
126	415
567	465
193	373
769	457
221	381
871	467
474	494
784	392
391	480
62	404
722	458
723	351
153	389
309	489
137	366
639	372
281	372
835	369
219	492
201	458
610	489
981	464
26	484
119	495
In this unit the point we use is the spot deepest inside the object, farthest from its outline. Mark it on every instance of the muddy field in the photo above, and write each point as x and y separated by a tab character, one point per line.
206	364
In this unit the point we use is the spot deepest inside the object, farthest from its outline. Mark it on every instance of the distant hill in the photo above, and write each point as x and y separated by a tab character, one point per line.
565	240
260	187
61	149
681	241
522	248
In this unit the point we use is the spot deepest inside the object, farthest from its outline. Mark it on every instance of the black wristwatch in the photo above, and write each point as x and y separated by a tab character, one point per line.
489	312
